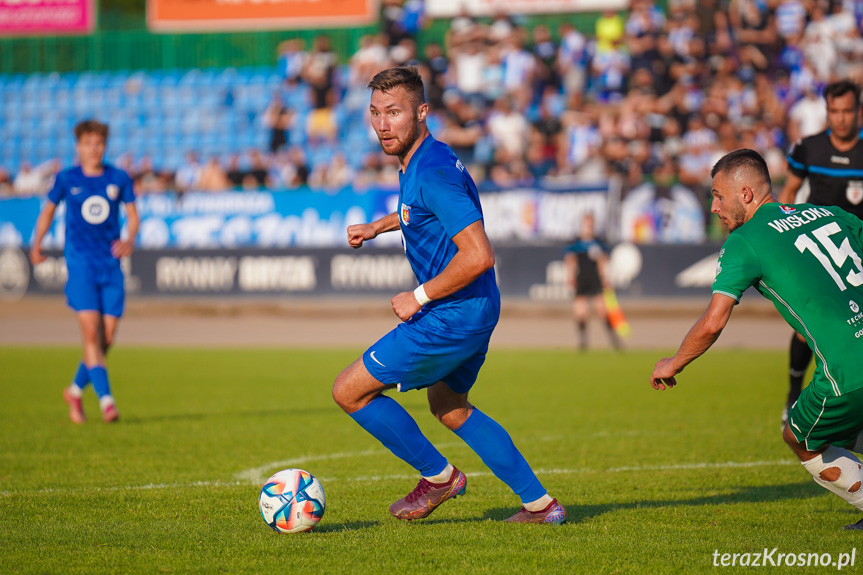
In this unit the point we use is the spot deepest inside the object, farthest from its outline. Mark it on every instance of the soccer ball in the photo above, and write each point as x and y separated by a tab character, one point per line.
292	501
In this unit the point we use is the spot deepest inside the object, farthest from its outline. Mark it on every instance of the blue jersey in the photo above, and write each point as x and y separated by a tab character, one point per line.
92	212
437	200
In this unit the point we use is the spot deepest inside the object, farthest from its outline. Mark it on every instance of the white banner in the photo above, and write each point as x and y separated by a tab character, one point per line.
452	8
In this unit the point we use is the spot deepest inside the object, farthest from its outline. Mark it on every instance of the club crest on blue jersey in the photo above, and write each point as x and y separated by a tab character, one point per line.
95	210
406	214
787	210
112	191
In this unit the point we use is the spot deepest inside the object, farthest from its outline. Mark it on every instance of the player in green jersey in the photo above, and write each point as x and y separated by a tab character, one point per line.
806	259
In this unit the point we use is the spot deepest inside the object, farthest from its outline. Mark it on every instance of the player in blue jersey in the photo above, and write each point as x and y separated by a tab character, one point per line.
93	192
448	319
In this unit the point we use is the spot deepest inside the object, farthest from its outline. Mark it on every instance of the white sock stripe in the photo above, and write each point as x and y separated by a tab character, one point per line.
441	477
105	401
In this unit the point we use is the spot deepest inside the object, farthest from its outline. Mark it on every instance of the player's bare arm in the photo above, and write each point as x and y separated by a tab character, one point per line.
122	248
789	190
475	256
359	233
43	224
699	339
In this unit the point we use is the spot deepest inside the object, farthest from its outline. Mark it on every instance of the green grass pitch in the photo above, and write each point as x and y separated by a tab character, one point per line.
654	482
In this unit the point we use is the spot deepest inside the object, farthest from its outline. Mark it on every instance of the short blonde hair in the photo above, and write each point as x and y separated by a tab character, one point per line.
406	76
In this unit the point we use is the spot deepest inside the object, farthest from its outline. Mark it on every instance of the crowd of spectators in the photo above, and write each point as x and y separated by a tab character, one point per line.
651	92
648	89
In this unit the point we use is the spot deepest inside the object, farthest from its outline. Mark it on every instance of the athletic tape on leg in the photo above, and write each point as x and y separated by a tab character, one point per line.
850	474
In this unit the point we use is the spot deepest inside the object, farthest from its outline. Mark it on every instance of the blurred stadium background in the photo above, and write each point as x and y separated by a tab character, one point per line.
244	127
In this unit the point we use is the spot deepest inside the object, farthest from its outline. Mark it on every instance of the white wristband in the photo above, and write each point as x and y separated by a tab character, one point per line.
420	294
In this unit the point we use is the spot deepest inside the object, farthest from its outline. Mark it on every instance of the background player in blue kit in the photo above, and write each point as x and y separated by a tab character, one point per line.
93	192
448	319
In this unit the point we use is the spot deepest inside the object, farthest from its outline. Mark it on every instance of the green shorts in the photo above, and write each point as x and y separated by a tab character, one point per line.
818	419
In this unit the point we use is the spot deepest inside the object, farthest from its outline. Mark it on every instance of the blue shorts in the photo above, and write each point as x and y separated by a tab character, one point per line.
416	355
96	289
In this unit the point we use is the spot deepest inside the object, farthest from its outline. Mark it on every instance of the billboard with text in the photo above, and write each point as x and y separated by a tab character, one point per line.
536	273
34	17
215	15
450	9
313	219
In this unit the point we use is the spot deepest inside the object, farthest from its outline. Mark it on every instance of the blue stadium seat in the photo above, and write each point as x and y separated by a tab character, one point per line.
169	78
15	82
227	77
190	77
27	147
67	80
214	111
318	155
84	80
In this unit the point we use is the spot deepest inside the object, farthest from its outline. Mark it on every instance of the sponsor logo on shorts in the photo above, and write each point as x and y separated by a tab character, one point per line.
95	210
374	359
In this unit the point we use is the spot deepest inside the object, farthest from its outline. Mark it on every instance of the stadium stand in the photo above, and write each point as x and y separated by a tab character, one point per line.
680	85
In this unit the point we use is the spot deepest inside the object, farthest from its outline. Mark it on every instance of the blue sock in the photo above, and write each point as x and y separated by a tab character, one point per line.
82	376
390	424
495	447
99	377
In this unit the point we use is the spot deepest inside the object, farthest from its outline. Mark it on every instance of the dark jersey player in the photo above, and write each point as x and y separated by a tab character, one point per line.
586	263
832	161
93	192
448	319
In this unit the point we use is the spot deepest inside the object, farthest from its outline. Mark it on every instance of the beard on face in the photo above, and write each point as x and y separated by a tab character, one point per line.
403	145
736	216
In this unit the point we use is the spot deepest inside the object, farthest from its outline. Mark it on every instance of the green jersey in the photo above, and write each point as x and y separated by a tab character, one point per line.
806	259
